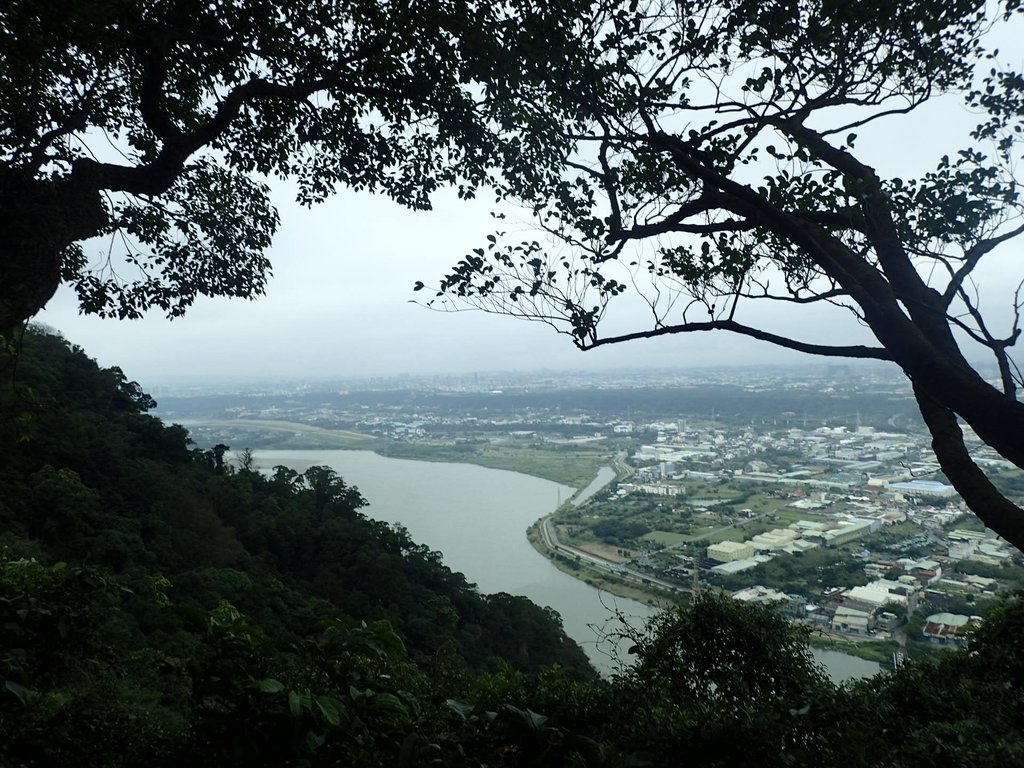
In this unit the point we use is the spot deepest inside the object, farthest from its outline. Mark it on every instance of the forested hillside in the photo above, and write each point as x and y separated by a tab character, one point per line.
162	606
148	585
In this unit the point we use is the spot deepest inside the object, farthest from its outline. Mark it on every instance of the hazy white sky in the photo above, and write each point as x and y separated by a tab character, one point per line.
338	303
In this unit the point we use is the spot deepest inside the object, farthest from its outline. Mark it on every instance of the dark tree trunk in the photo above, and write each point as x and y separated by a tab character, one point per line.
39	220
992	508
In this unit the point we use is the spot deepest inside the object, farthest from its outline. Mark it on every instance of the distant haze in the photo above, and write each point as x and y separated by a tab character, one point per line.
338	305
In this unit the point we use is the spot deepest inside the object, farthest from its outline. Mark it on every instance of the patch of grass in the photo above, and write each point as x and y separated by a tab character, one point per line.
880	651
666	538
575	468
268	434
729	534
568	467
765	505
970	523
326	440
294	427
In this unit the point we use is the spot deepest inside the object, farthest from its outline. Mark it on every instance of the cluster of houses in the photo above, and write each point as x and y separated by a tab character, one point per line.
853	484
833	459
898	589
801	536
873	610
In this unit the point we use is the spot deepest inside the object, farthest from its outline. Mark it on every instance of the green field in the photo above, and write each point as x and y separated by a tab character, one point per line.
789	516
880	651
666	538
729	534
573	466
265	433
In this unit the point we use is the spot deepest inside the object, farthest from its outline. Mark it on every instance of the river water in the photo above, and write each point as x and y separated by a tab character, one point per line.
477	517
604	476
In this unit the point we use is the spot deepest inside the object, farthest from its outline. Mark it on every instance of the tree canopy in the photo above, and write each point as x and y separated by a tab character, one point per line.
702	156
161	606
720	171
156	125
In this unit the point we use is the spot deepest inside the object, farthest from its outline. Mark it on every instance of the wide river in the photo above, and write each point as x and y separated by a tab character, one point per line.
477	517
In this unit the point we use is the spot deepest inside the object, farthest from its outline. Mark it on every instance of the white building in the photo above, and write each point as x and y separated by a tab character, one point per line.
923	488
727	551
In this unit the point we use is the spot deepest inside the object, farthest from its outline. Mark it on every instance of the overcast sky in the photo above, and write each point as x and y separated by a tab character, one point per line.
338	304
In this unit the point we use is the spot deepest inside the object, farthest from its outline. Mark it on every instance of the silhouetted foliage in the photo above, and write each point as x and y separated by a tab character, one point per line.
160	608
720	171
202	102
140	575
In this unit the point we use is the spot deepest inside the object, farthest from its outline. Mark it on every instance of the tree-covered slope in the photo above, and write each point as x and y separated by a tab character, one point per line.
159	607
114	535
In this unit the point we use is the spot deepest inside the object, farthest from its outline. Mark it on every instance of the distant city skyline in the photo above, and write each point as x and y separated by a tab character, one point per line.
540	379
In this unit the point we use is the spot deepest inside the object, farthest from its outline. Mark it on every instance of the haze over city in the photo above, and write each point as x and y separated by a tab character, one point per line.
339	303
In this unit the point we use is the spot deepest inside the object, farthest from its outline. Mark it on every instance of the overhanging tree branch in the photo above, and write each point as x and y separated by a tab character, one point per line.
811	299
971	259
830	225
858	351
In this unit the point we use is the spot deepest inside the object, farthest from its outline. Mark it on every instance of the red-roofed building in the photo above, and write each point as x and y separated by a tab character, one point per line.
948	628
